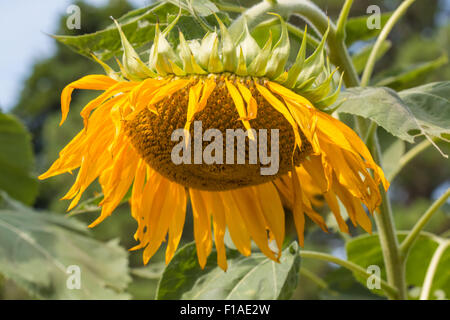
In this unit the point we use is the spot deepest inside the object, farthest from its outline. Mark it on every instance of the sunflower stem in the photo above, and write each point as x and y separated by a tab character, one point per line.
394	260
340	29
370	132
395	264
390	291
398	13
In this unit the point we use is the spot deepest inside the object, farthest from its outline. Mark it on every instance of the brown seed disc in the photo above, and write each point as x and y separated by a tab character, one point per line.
151	135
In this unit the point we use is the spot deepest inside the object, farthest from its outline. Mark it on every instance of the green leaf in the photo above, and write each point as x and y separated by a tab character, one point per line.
365	251
418	111
152	271
139	28
37	248
356	28
89	205
16	160
413	75
253	277
360	58
382	105
200	7
93	204
430	105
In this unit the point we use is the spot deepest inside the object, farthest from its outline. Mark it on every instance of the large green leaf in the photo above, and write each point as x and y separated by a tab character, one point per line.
198	7
356	28
382	105
139	27
412	76
421	110
93	204
365	251
430	105
37	248
254	277
16	160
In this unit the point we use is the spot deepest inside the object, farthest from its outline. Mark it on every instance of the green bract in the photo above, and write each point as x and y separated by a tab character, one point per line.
219	53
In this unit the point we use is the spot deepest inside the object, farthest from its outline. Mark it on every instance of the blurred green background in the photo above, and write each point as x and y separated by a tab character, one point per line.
422	35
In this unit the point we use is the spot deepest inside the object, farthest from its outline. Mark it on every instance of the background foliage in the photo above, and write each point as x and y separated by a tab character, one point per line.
31	213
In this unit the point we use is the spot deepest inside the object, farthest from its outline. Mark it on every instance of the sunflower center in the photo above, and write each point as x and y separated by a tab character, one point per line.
151	135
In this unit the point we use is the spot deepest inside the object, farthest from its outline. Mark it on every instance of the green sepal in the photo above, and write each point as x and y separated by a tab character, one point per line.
302	86
313	66
133	67
194	46
176	69
161	53
258	66
328	101
228	48
296	68
190	66
250	47
108	70
280	52
282	78
242	66
204	51
172	58
215	64
321	91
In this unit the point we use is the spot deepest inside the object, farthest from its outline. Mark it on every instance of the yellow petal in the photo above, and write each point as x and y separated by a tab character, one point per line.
216	207
330	197
163	211
121	177
208	88
289	94
298	211
92	82
169	89
273	210
281	107
202	226
252	106
239	103
238	232
177	221
253	217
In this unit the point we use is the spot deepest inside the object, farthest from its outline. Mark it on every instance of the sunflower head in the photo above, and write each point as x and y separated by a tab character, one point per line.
220	84
218	53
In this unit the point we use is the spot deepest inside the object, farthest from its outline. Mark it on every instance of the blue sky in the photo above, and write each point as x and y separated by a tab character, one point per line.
24	27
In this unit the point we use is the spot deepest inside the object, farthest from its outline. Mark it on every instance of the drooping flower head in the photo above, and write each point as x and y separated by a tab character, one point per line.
222	83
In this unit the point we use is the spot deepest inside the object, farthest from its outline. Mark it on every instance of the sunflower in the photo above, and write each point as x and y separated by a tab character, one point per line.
225	83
